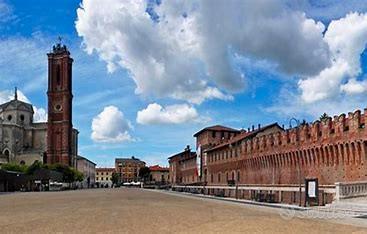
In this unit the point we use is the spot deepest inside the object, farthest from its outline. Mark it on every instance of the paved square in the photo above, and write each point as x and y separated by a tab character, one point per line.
138	211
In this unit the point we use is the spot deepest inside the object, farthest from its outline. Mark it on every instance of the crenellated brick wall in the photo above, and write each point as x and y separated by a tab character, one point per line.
332	150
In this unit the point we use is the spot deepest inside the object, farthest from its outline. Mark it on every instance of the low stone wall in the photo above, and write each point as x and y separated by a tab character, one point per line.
350	190
288	194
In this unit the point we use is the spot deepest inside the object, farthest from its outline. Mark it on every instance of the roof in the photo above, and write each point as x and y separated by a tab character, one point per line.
15	104
84	158
105	169
158	168
217	128
131	160
192	154
244	135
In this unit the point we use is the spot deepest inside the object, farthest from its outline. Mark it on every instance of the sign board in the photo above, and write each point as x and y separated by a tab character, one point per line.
311	192
312	189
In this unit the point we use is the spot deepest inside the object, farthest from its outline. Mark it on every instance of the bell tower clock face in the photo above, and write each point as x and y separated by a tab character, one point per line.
58	107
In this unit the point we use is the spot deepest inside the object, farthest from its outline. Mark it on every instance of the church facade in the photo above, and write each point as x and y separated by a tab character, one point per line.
23	141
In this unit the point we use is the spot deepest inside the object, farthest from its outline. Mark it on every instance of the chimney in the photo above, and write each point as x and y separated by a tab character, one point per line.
259	126
248	129
253	127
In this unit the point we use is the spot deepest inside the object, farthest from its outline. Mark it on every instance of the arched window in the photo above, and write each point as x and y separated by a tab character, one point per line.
7	154
58	75
238	176
22	162
218	177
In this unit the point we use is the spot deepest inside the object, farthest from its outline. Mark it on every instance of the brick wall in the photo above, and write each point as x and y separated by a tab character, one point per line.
332	150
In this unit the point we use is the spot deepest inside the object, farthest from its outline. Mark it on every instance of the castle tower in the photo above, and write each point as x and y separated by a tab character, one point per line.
60	127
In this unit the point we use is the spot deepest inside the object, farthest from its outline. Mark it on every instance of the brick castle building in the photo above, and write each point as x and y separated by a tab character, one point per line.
331	150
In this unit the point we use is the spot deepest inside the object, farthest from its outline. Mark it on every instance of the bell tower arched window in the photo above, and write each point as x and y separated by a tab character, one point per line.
58	75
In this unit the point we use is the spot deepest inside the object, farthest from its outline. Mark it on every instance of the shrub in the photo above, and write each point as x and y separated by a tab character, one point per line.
14	167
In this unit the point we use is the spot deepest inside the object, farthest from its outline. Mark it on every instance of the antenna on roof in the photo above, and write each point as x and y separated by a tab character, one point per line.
16	93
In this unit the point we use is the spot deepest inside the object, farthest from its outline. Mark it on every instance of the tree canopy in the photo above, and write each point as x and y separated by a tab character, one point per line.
69	174
14	167
144	172
115	178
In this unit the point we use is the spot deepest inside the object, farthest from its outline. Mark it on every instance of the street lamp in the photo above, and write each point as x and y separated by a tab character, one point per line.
298	158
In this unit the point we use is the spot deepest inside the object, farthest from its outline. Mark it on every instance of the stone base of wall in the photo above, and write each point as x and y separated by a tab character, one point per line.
266	195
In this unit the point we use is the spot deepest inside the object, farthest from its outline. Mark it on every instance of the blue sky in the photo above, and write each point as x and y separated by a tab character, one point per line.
144	85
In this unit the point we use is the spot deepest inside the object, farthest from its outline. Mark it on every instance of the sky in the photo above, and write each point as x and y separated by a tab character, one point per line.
148	74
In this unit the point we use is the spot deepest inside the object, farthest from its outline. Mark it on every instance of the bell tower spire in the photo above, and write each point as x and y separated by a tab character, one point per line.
15	93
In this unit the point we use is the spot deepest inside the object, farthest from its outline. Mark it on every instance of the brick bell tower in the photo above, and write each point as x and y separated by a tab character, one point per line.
59	130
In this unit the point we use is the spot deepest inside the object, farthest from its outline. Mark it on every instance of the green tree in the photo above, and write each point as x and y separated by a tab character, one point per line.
324	117
14	167
69	174
115	178
34	167
144	173
78	176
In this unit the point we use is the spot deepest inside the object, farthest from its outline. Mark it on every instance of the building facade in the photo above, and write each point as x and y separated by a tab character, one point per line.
158	174
88	168
128	168
103	176
330	150
22	140
183	168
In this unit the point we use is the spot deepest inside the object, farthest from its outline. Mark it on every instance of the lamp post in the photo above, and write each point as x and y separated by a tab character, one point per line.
298	158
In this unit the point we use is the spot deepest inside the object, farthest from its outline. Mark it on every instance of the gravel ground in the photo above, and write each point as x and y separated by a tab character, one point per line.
141	211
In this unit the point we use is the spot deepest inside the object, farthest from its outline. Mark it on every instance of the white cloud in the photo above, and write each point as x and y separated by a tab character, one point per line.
354	87
173	114
40	114
110	126
347	39
289	104
190	58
